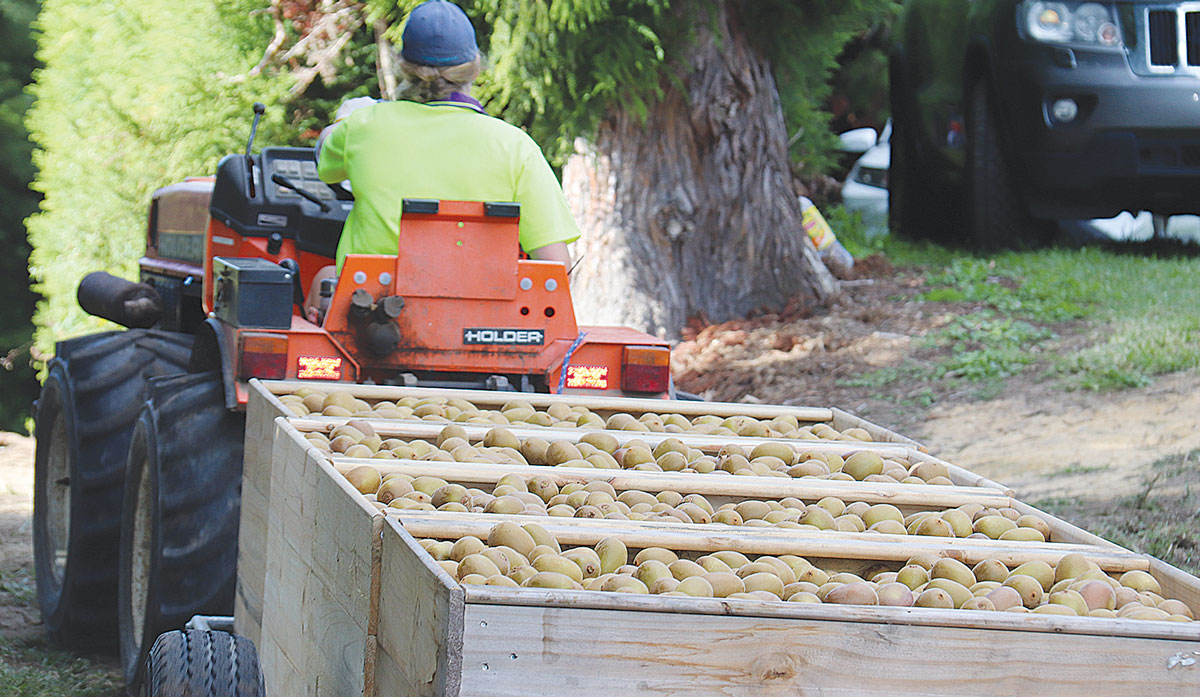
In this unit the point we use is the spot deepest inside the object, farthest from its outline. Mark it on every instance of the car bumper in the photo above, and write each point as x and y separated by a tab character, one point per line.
1134	145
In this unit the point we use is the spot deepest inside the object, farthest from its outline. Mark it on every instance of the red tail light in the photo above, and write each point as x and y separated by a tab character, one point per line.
646	369
264	356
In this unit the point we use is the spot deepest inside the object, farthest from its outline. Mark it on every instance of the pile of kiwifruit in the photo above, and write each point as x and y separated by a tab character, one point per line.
529	556
307	401
601	450
541	496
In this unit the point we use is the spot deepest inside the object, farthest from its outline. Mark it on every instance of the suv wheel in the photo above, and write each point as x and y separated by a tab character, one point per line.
996	216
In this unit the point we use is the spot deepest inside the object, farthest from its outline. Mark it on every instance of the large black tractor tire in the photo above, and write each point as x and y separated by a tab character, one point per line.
997	218
179	521
90	399
197	663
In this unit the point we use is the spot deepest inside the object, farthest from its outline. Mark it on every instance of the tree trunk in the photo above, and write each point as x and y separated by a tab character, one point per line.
690	211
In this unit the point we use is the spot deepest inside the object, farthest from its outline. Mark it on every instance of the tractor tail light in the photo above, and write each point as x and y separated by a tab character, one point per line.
264	356
646	369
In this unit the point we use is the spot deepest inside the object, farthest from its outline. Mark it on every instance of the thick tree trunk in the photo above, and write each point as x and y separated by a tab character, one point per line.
691	211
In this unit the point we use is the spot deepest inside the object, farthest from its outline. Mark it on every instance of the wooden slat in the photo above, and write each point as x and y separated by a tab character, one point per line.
261	412
842	420
806	543
319	569
471	473
515	650
710	444
491	399
914	616
419	647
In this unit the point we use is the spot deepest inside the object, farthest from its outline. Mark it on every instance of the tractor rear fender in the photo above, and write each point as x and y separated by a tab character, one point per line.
213	350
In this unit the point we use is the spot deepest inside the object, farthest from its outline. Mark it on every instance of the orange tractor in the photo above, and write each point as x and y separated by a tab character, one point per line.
139	432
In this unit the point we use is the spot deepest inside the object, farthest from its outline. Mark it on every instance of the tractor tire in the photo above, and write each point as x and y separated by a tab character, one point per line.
89	401
197	663
996	216
179	522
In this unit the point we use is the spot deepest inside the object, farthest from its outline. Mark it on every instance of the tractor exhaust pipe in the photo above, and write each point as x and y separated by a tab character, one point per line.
133	305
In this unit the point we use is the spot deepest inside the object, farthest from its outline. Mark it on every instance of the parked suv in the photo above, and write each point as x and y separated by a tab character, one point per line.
1008	114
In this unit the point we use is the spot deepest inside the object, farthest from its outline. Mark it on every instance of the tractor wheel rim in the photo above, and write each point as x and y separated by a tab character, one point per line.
139	571
58	499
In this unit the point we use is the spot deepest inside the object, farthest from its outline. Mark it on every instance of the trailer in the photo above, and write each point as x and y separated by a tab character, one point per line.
341	596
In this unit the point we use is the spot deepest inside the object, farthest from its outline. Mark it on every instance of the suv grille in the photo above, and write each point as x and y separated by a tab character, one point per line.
1173	38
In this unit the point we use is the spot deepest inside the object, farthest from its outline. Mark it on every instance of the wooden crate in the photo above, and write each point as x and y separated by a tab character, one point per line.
350	604
606	406
438	638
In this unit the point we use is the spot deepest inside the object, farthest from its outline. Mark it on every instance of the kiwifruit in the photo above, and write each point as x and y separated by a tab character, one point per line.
852	523
512	535
1140	581
612	553
428	485
1005	597
819	517
448	493
449	566
895	594
934	597
695	586
535	451
391	488
558	564
957	591
620	583
586	559
602	441
453	431
879	512
888	527
1028	587
505	505
953	570
863	463
929	470
958	520
728	516
934	526
666	556
672	461
764	581
732	558
723	583
1071	599
1176	607
1040	570
549	579
365	479
853	594
978	603
477	564
466	546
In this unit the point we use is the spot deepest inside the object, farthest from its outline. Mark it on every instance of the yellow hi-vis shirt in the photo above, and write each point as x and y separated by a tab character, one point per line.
391	151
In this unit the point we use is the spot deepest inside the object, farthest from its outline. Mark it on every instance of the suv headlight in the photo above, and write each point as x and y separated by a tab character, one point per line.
1084	23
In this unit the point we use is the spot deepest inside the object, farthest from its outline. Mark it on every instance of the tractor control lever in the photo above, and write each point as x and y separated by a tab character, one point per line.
287	183
259	109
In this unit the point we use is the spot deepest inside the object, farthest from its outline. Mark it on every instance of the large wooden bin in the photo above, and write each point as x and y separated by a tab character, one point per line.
351	604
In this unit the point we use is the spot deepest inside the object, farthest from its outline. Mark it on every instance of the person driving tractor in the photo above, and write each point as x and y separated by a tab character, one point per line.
436	142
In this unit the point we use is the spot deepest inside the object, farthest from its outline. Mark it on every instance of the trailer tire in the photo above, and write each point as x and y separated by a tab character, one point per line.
89	402
178	555
196	663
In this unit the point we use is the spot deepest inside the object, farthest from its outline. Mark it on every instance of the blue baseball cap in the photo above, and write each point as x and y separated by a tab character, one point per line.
438	33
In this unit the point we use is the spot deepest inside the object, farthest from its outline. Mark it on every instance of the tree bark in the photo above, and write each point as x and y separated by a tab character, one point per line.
690	210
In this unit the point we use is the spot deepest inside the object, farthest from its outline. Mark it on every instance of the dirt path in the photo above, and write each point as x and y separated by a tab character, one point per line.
16	543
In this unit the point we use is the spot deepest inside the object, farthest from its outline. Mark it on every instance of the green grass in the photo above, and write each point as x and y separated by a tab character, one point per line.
30	666
1138	314
1156	520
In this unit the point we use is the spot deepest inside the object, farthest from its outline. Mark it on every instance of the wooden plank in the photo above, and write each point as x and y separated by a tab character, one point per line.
261	411
319	574
472	473
490	399
806	543
710	444
510	649
842	420
918	617
419	647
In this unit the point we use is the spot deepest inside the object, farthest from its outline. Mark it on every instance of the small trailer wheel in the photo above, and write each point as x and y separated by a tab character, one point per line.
202	663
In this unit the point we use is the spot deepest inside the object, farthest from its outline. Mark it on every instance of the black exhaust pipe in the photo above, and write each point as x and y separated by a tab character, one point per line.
133	305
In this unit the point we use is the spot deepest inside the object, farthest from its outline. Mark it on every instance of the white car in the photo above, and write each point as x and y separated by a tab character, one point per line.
865	189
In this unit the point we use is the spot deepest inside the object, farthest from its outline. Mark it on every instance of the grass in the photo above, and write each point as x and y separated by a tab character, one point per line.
1134	314
30	666
1162	519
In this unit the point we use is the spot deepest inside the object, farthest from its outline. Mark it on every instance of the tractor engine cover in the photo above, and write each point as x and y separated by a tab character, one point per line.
250	292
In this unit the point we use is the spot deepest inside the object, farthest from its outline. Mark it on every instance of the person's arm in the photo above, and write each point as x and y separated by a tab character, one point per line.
555	251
